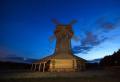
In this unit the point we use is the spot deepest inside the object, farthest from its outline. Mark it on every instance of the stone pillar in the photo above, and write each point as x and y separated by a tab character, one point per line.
73	64
43	66
32	67
39	66
35	67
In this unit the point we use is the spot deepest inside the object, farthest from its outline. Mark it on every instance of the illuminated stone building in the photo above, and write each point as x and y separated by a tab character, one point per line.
62	59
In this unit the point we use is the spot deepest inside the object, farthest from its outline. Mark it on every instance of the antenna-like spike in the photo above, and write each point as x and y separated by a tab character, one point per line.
73	22
51	38
76	38
55	21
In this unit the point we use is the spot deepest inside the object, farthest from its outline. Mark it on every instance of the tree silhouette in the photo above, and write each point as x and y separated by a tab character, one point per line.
111	60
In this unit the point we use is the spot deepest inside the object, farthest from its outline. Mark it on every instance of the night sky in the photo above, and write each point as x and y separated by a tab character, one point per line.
26	26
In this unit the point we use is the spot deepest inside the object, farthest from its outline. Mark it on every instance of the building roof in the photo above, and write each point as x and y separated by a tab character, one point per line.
53	56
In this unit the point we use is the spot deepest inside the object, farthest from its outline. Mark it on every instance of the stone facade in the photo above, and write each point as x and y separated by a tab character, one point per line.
62	59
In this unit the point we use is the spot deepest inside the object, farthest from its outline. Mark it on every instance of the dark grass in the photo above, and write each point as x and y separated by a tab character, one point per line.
62	79
85	76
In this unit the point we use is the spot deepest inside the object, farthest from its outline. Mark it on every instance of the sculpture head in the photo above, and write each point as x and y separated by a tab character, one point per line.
63	30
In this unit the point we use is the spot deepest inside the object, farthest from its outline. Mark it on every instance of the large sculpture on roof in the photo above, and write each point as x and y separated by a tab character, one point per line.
62	59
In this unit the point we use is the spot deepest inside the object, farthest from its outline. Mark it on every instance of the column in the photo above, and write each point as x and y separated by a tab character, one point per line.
43	66
32	67
35	67
73	64
39	66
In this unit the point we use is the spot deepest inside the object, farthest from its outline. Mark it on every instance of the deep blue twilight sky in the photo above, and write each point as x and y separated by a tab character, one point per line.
26	26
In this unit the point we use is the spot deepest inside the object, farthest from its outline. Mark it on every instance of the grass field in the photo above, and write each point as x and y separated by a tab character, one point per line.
84	76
